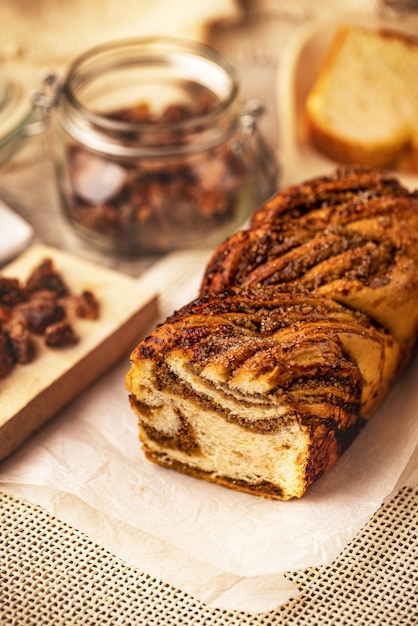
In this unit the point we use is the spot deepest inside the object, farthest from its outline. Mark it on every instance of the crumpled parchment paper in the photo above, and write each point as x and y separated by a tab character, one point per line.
87	467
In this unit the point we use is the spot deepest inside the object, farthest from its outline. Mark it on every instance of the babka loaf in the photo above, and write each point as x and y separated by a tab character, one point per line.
303	322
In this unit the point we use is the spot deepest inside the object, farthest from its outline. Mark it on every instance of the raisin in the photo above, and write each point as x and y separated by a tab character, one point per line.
60	335
45	277
20	341
6	356
41	311
11	292
87	306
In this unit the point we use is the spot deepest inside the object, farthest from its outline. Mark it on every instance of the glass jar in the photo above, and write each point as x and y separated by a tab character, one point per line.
153	149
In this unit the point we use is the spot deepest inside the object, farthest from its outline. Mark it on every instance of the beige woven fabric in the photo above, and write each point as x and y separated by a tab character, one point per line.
53	575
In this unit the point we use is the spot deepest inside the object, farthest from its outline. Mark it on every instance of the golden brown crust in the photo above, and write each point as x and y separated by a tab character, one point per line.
352	237
285	357
263	381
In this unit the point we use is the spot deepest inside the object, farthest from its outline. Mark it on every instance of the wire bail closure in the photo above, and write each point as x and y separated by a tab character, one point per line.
258	155
45	101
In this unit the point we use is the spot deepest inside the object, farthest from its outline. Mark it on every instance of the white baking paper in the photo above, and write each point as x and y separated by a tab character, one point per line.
89	459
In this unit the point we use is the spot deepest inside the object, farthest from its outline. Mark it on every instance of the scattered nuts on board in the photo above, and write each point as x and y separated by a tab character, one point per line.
39	307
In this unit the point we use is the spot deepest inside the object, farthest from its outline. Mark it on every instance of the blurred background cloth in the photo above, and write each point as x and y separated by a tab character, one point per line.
38	34
47	31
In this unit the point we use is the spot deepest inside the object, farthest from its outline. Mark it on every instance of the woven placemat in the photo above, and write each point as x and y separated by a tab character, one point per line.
53	575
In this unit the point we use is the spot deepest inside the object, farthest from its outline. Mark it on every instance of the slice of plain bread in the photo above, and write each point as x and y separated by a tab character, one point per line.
363	106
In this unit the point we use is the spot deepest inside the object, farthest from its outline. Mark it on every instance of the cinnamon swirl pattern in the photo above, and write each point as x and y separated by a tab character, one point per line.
303	322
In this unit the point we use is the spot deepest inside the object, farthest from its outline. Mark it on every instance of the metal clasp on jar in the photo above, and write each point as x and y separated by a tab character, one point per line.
258	156
45	101
35	122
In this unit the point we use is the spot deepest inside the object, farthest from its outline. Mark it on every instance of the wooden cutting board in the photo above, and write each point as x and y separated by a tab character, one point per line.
33	393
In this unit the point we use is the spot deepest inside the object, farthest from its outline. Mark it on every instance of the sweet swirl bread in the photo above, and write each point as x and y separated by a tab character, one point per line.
303	322
351	237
